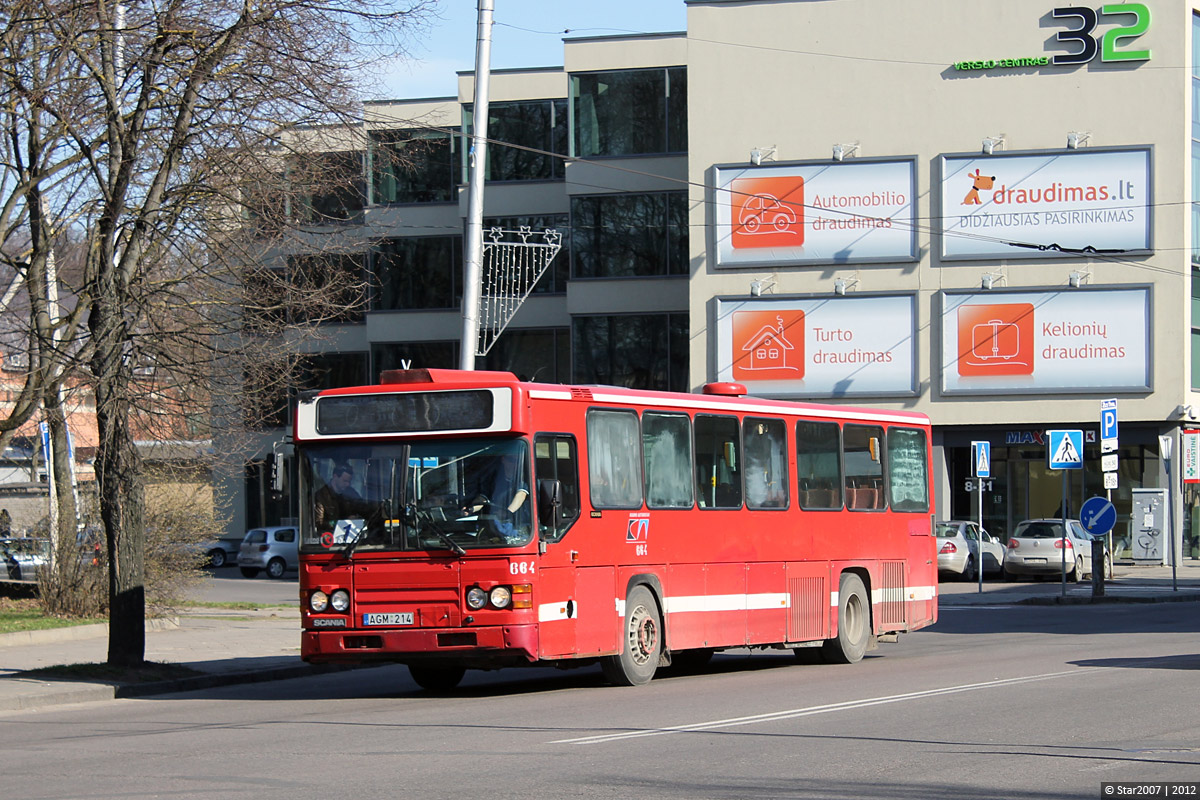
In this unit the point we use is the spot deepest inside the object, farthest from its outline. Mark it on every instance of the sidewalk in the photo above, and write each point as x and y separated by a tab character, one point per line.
226	647
250	646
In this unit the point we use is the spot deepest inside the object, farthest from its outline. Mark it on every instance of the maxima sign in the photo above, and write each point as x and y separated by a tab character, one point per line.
1025	342
1035	206
818	347
823	213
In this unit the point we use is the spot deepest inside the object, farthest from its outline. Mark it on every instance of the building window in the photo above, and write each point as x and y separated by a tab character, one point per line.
413	166
632	112
328	188
630	235
554	279
640	351
328	287
543	356
413	355
423	272
522	136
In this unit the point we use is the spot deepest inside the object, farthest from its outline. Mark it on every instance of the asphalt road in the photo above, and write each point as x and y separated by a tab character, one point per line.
226	585
993	702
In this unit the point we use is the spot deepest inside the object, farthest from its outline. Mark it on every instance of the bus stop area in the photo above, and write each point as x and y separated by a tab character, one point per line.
264	645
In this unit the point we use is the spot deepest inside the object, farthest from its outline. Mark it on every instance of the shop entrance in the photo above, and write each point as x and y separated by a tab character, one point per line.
1023	487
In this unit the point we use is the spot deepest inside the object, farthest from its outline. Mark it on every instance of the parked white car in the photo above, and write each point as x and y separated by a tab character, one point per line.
958	549
275	550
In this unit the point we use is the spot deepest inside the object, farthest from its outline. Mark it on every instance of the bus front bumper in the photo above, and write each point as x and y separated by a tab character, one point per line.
498	644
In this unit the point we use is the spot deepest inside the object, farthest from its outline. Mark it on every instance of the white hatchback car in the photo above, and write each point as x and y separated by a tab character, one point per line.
1037	547
274	549
958	546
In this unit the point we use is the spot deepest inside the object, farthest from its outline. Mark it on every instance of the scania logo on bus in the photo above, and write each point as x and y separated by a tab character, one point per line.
322	622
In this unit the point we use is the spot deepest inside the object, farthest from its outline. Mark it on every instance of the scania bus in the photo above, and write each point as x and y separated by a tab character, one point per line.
458	520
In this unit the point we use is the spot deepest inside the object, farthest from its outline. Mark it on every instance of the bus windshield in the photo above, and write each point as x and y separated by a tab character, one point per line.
448	494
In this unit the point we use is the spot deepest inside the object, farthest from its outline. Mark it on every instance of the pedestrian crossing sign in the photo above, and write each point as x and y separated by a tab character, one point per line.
981	459
1065	449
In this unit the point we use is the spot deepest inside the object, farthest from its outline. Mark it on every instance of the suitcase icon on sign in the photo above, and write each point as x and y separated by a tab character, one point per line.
995	340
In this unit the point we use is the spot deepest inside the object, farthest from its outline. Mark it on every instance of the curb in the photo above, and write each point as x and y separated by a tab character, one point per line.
1052	600
73	633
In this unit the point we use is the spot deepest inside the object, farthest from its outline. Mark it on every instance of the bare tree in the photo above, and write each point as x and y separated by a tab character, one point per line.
149	132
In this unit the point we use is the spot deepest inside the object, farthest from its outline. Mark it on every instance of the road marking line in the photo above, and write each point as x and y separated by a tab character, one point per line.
825	709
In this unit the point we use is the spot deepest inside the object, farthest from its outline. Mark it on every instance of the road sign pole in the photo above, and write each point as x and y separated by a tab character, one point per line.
1066	536
979	544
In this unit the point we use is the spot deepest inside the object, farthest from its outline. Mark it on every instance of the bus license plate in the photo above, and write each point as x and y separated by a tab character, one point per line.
394	618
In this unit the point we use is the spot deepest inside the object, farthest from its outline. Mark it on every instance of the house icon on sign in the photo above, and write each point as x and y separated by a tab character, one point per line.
769	348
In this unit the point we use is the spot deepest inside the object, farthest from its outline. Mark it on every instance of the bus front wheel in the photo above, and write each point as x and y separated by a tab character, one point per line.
854	623
642	643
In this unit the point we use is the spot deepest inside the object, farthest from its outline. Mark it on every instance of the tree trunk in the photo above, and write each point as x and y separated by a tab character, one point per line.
121	496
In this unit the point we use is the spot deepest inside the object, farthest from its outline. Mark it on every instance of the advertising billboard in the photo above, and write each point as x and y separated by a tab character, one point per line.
1055	341
818	347
827	213
1062	204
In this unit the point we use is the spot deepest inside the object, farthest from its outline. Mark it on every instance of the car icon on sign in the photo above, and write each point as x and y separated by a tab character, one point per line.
763	213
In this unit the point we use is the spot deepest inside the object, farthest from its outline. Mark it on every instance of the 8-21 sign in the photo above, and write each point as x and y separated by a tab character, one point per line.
1107	45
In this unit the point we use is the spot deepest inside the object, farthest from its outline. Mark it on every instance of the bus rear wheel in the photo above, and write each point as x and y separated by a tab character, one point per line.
642	643
854	623
435	677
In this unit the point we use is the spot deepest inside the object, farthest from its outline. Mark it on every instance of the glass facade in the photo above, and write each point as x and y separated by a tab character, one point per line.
639	351
630	112
329	188
413	166
522	136
420	272
629	235
413	355
532	355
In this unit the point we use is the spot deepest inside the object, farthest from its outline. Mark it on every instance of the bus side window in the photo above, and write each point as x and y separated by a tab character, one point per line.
863	453
908	473
667	452
718	462
554	460
766	462
614	457
818	465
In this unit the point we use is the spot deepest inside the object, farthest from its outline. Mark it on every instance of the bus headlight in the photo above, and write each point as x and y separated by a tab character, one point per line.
476	598
318	601
340	600
501	597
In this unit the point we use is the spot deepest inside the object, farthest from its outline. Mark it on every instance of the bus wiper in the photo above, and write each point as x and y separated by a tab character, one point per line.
352	546
427	518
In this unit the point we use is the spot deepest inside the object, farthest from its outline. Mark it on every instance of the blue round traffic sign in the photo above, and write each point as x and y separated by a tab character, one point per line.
1098	516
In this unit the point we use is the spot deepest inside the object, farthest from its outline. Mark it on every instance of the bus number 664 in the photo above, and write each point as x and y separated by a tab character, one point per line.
520	567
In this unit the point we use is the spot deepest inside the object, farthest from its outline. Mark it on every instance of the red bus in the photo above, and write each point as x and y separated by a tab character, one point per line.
467	520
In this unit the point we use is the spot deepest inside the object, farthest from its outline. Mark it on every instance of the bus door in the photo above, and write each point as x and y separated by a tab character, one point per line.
572	602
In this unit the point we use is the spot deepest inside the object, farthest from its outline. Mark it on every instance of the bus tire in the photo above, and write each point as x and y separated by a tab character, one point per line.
853	623
641	644
436	677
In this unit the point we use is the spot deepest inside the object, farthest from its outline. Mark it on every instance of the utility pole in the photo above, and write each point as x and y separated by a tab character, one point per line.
473	265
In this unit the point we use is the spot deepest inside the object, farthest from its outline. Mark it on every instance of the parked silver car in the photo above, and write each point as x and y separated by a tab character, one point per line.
958	549
223	551
23	559
1037	548
274	549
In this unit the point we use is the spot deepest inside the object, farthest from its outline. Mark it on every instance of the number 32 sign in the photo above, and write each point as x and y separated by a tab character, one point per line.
1108	44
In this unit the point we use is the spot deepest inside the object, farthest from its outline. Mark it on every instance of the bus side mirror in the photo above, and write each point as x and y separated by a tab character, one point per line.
550	502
